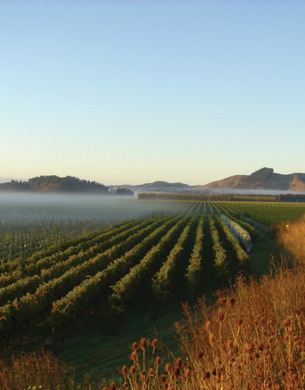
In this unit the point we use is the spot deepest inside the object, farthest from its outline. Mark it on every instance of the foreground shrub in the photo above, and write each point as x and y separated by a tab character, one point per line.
35	371
253	338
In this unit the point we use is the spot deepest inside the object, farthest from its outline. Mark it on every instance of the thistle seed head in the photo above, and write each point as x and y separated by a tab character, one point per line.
179	362
239	322
167	367
143	343
187	373
154	342
158	361
220	316
133	355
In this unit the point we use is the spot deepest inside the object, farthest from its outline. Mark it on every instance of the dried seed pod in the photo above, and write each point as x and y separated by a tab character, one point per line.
187	373
167	367
154	343
179	362
176	372
158	361
220	316
133	355
239	322
143	343
287	322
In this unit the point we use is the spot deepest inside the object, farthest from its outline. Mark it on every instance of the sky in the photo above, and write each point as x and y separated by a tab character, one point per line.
129	92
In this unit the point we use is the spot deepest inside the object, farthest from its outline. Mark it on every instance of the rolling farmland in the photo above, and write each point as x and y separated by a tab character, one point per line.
150	258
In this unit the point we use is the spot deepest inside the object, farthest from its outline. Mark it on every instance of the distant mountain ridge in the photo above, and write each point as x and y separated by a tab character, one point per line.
159	186
263	179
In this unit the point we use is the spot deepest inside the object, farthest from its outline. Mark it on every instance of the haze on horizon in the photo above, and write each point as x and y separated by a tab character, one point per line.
133	92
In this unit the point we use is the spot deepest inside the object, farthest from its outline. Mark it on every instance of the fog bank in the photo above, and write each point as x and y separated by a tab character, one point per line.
59	207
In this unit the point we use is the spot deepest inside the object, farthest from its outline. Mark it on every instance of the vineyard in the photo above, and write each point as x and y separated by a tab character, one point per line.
196	245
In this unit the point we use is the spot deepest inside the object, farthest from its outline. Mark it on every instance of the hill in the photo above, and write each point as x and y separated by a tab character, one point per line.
160	186
263	179
229	182
54	184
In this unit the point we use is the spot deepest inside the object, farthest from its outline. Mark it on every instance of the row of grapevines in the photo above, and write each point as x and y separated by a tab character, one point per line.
191	209
38	261
197	209
239	232
194	269
20	238
211	208
30	284
78	300
125	288
31	305
241	255
61	267
162	281
220	262
231	212
48	251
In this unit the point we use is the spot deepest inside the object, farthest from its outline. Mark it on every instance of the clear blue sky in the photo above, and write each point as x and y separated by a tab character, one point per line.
136	91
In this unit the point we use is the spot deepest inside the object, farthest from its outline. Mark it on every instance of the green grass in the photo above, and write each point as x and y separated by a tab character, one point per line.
101	354
261	255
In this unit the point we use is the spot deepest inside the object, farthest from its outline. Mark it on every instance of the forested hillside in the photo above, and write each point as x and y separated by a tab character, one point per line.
55	184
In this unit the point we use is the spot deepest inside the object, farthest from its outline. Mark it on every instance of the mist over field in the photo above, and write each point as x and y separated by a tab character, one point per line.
70	207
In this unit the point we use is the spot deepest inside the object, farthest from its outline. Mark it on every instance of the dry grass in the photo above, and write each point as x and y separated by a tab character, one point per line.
35	371
292	238
253	338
